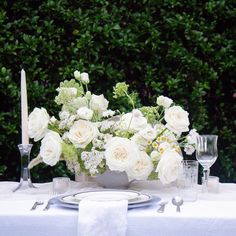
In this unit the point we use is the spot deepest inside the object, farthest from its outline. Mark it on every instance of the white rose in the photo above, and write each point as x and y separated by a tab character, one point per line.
84	78
38	123
133	121
176	119
142	168
169	166
98	103
82	132
121	154
164	101
85	113
50	149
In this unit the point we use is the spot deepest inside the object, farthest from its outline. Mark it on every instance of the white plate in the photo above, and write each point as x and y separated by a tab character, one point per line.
69	202
108	195
132	197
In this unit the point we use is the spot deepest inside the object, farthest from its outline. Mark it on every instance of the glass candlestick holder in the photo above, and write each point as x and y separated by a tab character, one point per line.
25	180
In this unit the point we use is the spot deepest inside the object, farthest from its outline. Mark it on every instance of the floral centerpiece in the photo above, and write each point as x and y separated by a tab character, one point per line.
145	142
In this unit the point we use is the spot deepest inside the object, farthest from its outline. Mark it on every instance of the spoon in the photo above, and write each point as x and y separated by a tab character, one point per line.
177	201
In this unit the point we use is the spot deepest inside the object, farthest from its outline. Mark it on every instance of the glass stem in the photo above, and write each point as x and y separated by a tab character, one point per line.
206	172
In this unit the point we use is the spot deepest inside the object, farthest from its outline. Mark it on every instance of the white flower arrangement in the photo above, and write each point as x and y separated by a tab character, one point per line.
145	142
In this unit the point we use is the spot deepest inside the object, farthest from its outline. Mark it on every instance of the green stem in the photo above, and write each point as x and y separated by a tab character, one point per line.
161	132
86	87
131	100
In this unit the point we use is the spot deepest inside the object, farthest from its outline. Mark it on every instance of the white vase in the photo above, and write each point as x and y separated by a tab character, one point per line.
113	179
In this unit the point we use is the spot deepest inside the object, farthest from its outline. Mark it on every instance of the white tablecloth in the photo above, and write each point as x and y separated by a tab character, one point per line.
211	215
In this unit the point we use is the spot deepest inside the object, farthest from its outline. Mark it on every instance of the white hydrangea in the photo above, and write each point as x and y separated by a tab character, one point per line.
92	160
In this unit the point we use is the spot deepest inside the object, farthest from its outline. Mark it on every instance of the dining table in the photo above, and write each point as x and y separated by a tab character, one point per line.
212	214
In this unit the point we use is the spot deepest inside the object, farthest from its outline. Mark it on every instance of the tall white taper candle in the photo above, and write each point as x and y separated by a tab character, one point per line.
24	109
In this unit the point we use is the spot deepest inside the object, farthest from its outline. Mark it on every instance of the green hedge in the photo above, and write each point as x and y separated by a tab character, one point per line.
182	49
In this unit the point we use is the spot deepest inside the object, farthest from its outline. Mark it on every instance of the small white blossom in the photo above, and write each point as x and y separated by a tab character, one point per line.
52	120
64	115
108	113
189	149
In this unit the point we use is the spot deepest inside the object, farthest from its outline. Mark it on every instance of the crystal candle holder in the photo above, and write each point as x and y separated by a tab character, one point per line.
25	180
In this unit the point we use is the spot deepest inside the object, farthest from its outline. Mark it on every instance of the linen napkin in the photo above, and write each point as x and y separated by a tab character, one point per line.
104	218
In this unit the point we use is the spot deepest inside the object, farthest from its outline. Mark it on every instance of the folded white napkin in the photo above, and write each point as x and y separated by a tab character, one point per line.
104	218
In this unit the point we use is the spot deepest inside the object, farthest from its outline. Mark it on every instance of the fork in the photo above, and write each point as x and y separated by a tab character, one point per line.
37	203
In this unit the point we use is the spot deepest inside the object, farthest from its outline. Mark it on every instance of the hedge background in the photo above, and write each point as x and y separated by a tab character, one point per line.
183	49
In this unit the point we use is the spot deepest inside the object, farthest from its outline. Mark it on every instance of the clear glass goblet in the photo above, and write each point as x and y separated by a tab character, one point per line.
206	154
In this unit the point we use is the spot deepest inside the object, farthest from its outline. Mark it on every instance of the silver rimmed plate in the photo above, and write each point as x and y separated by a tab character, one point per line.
108	195
135	199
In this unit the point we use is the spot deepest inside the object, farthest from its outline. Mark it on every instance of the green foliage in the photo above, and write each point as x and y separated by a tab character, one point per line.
181	49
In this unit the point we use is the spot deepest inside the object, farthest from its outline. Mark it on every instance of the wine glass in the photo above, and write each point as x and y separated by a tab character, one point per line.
206	154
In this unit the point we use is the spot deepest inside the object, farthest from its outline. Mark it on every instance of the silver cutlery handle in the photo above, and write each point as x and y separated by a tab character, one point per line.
47	206
178	208
34	206
161	209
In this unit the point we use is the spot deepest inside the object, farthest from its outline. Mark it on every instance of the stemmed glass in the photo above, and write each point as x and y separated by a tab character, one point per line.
206	154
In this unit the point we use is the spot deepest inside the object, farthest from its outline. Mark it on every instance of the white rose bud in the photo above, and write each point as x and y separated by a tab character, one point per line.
77	74
164	101
84	78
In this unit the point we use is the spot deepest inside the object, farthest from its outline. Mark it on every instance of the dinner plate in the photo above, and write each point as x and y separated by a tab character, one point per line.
143	200
108	195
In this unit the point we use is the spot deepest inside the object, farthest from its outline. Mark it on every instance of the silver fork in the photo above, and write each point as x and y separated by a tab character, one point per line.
49	203
37	203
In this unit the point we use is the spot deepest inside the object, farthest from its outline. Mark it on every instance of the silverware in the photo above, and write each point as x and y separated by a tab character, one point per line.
161	206
177	201
37	203
49	203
